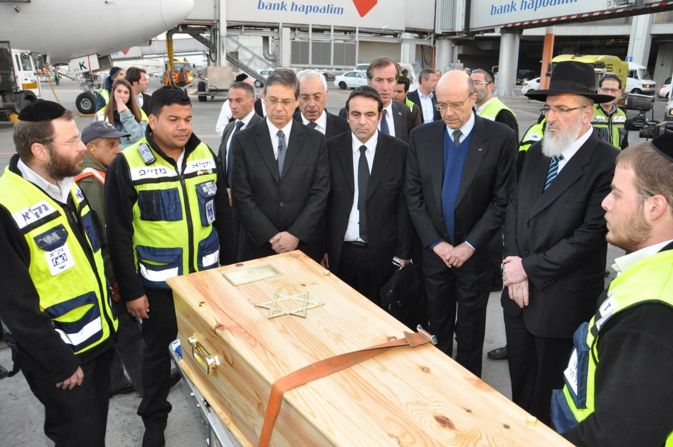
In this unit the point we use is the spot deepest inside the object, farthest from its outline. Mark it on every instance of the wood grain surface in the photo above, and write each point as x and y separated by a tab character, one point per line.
404	397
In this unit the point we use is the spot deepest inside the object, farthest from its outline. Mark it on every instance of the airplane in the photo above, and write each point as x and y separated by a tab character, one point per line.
66	30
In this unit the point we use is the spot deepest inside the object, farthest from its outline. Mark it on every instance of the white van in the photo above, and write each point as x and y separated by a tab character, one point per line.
639	80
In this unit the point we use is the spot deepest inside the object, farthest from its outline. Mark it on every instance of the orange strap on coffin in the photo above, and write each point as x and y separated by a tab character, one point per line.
324	368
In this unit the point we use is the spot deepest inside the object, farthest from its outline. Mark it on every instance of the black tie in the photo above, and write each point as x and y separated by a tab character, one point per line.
281	151
363	181
230	153
456	137
312	125
384	123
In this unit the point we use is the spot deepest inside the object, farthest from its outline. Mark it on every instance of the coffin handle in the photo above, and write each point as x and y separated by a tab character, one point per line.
207	361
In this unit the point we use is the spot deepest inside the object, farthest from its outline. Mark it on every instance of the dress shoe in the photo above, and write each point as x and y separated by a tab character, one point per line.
175	377
154	437
497	354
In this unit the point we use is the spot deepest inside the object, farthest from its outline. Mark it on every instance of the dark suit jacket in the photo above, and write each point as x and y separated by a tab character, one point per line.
484	186
335	124
388	224
147	100
560	234
268	202
415	98
228	129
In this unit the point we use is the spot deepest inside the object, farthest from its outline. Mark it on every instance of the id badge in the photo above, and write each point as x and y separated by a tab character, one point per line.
210	211
60	260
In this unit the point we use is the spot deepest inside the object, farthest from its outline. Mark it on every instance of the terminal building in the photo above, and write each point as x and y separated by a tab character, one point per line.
502	35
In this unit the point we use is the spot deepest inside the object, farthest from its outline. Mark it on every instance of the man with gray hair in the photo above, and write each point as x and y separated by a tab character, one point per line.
280	178
312	100
555	249
424	96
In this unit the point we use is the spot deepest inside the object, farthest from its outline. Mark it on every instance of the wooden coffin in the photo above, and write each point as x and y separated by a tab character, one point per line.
403	397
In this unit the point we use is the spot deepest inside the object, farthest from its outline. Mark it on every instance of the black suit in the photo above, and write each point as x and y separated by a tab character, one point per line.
268	202
388	224
231	225
416	99
147	100
479	213
560	235
334	124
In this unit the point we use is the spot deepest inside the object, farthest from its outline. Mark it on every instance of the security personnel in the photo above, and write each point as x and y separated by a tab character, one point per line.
618	381
103	93
58	310
488	105
608	118
533	135
161	201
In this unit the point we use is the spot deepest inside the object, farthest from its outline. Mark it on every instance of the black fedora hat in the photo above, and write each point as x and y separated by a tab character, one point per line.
571	77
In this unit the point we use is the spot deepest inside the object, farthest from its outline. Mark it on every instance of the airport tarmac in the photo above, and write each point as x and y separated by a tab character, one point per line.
21	415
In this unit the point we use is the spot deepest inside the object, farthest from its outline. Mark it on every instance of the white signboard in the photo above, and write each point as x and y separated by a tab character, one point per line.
376	14
493	13
84	64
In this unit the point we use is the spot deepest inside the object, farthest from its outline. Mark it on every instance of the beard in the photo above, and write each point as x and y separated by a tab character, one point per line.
60	167
553	144
631	234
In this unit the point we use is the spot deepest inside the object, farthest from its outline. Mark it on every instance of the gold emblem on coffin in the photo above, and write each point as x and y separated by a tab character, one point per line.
289	300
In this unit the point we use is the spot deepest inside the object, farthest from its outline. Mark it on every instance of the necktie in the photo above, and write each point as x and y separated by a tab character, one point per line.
456	137
230	153
363	181
312	125
282	148
384	123
552	172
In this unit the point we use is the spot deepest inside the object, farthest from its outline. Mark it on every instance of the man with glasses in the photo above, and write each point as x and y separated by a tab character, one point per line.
280	179
459	173
608	118
555	246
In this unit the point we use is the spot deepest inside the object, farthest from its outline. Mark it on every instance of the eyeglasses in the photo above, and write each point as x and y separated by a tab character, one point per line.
284	102
442	106
559	110
481	82
613	91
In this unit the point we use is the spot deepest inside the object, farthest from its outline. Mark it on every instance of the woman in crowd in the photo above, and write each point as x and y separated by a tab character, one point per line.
124	114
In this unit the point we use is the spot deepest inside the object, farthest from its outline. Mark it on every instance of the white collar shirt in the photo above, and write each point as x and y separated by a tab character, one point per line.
58	192
427	106
353	228
389	119
573	148
273	131
246	120
320	123
465	129
623	263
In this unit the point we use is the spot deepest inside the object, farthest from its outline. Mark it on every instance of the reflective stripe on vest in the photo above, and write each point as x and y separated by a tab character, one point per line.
492	109
173	214
72	290
91	172
532	135
105	94
649	280
409	103
609	127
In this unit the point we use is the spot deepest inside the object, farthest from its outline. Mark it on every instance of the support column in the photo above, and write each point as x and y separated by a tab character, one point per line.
508	63
222	37
444	54
407	49
641	39
285	46
547	54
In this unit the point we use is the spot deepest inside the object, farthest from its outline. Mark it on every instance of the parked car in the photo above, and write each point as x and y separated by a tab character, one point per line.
665	88
530	86
350	79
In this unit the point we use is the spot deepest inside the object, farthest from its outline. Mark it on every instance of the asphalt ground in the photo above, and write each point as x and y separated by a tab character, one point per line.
21	415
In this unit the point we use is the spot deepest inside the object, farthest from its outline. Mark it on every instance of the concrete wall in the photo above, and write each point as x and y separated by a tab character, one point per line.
371	50
664	63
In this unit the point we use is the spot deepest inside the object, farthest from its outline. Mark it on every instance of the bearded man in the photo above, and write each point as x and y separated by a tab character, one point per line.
555	248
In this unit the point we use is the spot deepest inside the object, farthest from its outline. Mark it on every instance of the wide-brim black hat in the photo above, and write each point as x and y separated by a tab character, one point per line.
571	77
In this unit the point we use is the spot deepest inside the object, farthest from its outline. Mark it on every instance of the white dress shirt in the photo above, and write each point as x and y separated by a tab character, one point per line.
622	263
224	118
321	122
246	120
353	228
427	107
389	119
273	130
465	129
58	192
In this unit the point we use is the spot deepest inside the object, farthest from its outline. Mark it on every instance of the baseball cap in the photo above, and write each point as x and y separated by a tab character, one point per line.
100	129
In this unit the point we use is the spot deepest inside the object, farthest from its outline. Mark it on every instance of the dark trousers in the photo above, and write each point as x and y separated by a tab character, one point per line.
354	270
76	417
128	351
536	366
495	256
231	236
159	330
466	291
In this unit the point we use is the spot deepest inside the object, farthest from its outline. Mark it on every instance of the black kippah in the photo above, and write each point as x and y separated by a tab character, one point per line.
664	145
241	77
42	110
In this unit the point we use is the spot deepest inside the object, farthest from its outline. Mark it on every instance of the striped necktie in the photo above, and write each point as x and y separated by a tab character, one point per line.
552	172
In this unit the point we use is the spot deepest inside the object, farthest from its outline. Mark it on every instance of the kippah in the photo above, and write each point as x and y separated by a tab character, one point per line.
664	145
41	110
241	77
